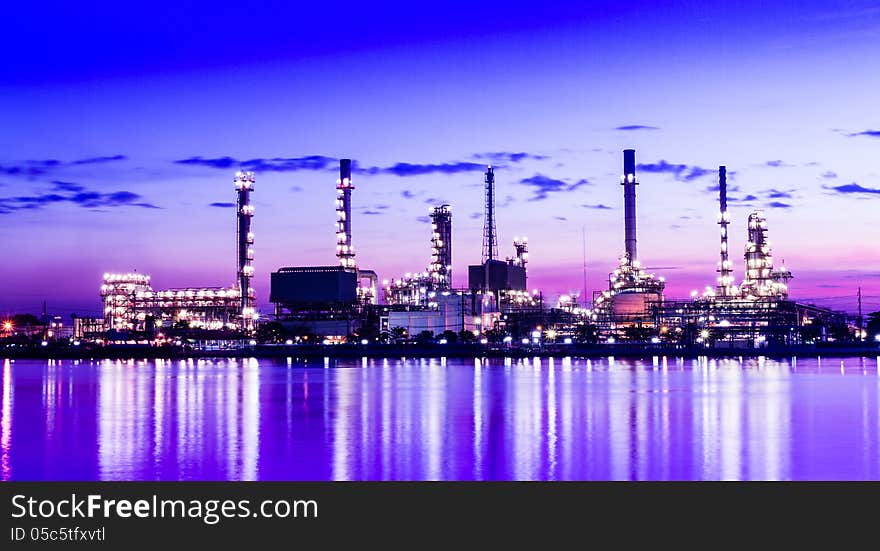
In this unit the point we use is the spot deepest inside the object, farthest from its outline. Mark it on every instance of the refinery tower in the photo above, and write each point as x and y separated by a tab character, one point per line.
631	290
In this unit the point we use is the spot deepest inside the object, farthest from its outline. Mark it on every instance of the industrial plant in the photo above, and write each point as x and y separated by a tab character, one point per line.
341	303
132	306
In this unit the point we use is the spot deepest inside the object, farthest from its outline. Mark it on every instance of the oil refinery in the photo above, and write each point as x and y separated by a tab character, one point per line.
345	303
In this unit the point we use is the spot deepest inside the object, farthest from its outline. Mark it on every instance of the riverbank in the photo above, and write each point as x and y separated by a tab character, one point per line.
428	351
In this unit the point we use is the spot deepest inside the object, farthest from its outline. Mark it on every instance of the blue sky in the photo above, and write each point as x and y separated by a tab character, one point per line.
102	102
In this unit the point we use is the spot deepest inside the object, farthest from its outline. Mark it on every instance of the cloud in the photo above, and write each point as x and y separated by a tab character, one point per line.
509	157
682	172
544	185
598	206
99	160
296	189
66	192
274	164
507	201
415	169
423	219
636	127
475	215
779	194
560	218
320	162
852	188
38	167
372	212
407	194
749	197
778	205
67	186
829	175
717	187
222	205
869	133
777	164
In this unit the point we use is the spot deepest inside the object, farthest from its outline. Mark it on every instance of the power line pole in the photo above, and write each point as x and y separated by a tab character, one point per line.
584	246
861	332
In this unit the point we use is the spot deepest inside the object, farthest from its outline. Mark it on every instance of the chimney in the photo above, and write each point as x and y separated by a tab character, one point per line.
629	202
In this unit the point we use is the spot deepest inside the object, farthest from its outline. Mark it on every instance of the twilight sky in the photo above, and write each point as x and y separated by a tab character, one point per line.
124	123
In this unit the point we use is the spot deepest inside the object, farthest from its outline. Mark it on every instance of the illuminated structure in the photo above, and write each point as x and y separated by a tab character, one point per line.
761	280
496	276
521	256
490	241
244	184
422	288
631	290
440	268
119	295
725	286
756	313
131	304
344	246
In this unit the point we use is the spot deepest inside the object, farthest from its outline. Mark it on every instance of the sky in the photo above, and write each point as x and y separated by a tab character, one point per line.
123	125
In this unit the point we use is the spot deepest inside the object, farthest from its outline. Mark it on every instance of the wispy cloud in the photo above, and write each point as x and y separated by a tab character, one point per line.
829	175
778	163
408	194
222	205
682	172
853	188
543	186
99	160
415	169
274	164
33	168
778	205
717	187
509	157
636	127
66	192
869	133
779	194
598	206
475	215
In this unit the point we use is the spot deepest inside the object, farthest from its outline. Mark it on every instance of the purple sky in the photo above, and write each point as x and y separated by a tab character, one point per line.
101	104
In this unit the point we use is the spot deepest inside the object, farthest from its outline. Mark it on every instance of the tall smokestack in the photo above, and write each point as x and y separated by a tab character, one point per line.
490	239
725	268
244	184
344	246
629	183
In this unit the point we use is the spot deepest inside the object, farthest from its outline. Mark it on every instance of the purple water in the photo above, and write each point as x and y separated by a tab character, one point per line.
441	419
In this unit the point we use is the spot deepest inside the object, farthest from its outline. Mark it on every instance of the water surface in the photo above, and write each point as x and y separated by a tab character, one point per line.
441	419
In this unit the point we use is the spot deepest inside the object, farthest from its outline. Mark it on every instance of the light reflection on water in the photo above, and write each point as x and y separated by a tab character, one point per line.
659	418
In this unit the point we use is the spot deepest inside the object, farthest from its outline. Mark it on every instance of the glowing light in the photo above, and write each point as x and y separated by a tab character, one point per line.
7	326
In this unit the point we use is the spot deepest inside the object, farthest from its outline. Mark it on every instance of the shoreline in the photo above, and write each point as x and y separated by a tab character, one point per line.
433	351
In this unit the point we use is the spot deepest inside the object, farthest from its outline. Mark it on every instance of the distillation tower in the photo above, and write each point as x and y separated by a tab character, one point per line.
440	268
244	185
422	288
344	246
632	292
725	287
